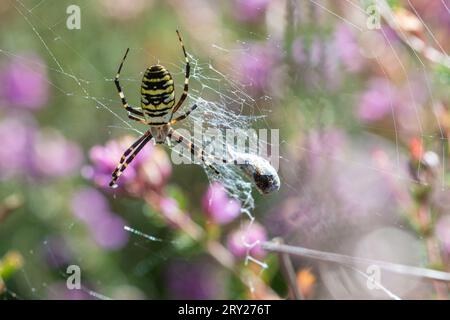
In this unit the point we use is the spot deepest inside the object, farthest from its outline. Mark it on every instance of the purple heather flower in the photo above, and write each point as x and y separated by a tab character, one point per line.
169	206
410	98
218	206
198	280
316	52
36	154
255	66
247	239
55	156
109	233
91	206
298	51
443	232
170	210
250	10
322	146
441	199
24	83
434	12
332	74
334	194
377	101
320	64
16	139
389	35
105	159
347	48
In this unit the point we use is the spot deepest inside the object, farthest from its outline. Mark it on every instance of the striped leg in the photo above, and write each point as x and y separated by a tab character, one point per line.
184	116
175	137
197	152
135	148
137	119
121	94
186	79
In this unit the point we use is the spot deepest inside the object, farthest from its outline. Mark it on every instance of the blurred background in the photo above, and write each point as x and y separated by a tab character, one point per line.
358	89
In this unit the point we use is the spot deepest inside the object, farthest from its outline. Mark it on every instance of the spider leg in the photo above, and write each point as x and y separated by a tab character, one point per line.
137	119
174	136
134	149
119	89
185	115
197	152
186	78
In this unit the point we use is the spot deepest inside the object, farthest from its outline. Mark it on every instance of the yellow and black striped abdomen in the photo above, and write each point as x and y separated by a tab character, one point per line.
157	92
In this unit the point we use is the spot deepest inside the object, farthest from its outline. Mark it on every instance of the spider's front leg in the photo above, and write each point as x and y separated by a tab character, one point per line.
186	76
125	104
126	158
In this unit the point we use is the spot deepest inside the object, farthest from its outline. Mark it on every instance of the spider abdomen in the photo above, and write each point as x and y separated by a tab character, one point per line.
157	92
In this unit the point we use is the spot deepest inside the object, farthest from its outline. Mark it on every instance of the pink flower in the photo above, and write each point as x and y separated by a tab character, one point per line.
377	101
105	159
24	83
247	240
332	194
347	48
443	232
89	204
16	139
298	51
107	228
109	233
55	156
256	66
218	206
250	10
28	152
172	212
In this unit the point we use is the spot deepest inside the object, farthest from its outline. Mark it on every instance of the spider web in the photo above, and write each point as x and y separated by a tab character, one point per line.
226	107
222	104
230	108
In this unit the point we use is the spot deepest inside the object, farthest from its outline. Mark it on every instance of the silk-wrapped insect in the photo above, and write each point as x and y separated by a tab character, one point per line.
258	170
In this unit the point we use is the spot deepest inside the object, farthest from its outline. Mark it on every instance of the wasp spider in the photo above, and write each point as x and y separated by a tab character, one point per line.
157	110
